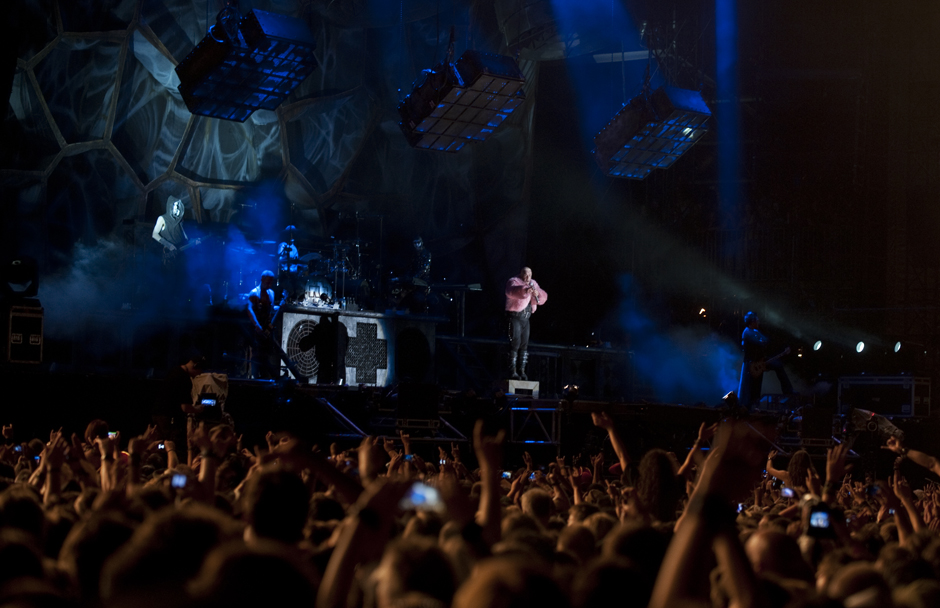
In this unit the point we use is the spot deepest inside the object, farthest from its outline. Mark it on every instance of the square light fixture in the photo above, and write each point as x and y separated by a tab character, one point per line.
246	65
651	132
462	101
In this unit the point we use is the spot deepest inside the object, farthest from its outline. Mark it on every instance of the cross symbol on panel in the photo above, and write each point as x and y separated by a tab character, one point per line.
367	353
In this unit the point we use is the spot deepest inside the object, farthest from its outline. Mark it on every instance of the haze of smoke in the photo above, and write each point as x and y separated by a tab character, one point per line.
687	365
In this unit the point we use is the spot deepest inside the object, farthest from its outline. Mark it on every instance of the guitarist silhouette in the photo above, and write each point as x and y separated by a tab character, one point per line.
261	310
754	344
168	231
265	361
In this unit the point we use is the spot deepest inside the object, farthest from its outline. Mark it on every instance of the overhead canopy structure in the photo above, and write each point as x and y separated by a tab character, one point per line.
651	132
248	64
462	101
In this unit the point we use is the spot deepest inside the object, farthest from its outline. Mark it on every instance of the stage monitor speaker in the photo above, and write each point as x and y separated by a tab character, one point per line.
892	396
24	335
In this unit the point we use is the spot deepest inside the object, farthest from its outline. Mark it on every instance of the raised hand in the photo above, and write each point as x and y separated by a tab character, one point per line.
527	459
104	446
150	434
894	444
405	441
388	444
602	420
8	431
488	449
734	464
901	489
705	433
271	440
222	438
835	462
812	482
369	457
200	437
53	455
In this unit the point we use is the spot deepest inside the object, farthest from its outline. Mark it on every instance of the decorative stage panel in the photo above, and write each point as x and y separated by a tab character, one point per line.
343	347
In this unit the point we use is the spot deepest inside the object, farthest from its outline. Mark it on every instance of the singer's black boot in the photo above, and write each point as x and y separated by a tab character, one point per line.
522	363
512	366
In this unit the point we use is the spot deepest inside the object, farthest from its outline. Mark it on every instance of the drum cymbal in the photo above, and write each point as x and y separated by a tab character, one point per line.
313	255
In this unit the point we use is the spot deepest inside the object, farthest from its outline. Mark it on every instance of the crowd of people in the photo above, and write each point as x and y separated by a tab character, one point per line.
101	520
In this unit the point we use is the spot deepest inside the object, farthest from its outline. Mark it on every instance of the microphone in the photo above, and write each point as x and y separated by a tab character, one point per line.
535	293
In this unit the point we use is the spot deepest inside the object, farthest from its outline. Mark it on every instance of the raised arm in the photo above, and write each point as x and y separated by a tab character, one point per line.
709	524
781	475
489	452
604	421
705	433
925	460
363	538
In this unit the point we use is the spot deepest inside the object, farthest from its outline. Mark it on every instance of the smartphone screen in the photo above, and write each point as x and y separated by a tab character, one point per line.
532	476
178	480
408	456
161	446
786	492
507	474
422	497
207	402
819	519
112	434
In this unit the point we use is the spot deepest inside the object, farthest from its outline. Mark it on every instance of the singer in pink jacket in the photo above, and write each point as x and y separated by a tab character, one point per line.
523	297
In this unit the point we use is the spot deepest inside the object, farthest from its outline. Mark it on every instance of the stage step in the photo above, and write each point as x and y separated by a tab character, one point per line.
521	388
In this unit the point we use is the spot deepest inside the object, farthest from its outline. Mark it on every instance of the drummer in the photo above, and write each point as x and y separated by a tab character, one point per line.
287	255
290	269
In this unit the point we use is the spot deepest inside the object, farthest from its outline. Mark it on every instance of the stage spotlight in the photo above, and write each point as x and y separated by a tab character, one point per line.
859	347
246	64
651	132
461	101
897	346
817	345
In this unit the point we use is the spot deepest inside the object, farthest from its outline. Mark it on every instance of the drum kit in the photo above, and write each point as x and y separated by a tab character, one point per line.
330	278
338	274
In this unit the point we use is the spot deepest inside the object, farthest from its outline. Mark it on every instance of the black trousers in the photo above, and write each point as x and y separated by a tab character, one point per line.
518	331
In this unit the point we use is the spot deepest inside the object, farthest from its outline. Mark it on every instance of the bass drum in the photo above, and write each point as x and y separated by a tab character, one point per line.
318	292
